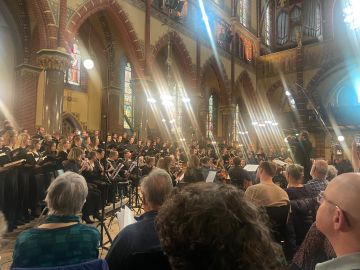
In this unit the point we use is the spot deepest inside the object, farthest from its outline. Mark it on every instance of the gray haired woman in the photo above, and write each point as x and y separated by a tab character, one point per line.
61	239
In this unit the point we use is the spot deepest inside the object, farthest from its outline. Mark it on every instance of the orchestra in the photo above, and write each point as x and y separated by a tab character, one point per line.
113	167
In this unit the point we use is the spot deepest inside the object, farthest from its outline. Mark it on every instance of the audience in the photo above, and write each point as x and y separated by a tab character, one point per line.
211	226
266	193
61	239
141	236
339	220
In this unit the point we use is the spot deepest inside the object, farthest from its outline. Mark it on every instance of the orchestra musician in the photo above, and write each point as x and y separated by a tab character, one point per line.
193	172
78	164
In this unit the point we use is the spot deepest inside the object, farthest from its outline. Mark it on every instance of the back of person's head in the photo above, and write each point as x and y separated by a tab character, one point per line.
332	172
194	161
66	195
295	171
167	163
113	154
208	226
156	187
204	160
75	153
268	167
160	163
237	161
319	169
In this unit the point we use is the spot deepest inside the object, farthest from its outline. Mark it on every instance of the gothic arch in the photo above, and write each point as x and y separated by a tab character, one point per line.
180	47
46	24
245	85
222	78
122	23
72	120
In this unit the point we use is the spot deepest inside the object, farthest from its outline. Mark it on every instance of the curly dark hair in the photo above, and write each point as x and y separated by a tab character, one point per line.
210	226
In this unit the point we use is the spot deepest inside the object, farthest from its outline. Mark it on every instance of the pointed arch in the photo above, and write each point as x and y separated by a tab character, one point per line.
183	53
223	80
121	21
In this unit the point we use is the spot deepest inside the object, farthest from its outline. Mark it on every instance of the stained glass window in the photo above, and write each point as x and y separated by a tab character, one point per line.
236	124
244	12
128	98
210	123
73	73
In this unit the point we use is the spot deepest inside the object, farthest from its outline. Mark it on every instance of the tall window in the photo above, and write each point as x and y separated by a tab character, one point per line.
267	26
128	98
282	28
236	123
210	122
312	18
73	74
244	12
351	14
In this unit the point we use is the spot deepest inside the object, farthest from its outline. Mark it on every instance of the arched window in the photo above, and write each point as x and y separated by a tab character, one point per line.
312	18
266	29
211	117
282	28
73	74
128	97
244	10
295	15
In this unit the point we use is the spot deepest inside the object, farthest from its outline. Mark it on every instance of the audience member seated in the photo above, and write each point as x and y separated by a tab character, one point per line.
266	193
332	173
318	173
314	249
338	218
207	226
141	237
193	172
238	176
61	239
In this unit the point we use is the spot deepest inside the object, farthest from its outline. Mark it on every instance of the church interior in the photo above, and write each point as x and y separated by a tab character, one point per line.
273	81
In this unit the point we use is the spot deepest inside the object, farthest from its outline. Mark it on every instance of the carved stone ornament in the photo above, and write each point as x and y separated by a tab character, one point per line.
54	59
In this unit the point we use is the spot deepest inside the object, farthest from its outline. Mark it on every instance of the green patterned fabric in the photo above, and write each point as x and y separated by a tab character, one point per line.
40	247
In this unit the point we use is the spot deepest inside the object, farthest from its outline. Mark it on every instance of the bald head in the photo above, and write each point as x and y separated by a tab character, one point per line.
319	169
338	216
344	190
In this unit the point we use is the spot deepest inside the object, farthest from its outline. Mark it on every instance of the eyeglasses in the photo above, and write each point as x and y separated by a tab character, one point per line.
321	198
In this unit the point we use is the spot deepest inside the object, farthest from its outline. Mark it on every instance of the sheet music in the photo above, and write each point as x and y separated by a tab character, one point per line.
251	167
125	217
211	176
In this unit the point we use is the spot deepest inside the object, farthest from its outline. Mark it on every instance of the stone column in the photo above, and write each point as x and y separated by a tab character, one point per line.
54	63
227	114
115	109
27	78
141	109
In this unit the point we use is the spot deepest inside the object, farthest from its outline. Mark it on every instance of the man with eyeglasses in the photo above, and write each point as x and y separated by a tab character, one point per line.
338	218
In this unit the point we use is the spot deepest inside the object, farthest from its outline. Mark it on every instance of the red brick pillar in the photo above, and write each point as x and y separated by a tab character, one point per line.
54	63
319	144
26	83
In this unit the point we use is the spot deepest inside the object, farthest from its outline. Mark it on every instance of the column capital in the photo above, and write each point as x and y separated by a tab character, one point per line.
27	67
54	59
